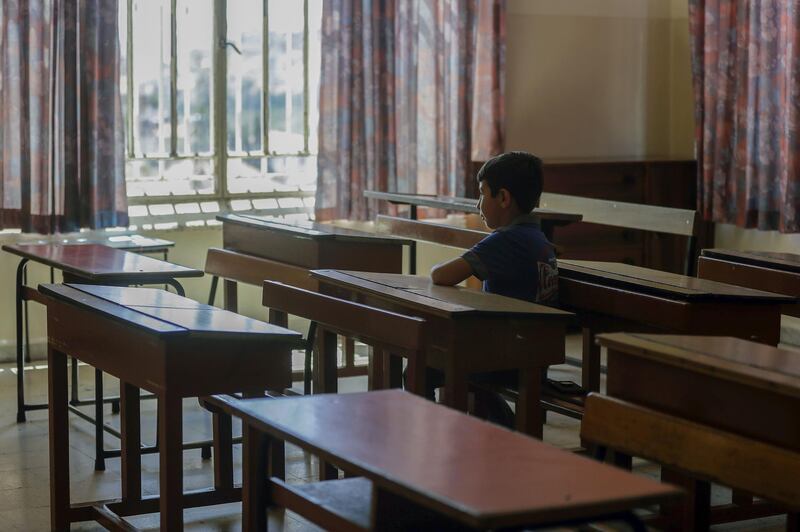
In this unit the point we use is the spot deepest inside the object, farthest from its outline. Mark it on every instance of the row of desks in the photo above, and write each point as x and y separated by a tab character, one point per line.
410	453
458	314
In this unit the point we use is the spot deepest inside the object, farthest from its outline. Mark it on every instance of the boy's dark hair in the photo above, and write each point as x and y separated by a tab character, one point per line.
518	172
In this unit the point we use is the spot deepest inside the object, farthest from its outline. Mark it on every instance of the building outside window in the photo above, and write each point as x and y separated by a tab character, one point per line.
220	103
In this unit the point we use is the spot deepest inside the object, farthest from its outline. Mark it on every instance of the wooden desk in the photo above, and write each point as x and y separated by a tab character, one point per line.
761	270
163	343
423	466
261	248
739	387
743	387
550	219
473	332
611	296
134	243
88	264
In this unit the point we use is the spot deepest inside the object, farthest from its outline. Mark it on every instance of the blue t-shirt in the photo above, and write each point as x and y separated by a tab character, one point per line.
517	261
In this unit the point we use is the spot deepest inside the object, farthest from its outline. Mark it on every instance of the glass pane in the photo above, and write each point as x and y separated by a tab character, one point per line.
314	67
265	174
286	78
245	76
164	177
195	22
248	174
151	72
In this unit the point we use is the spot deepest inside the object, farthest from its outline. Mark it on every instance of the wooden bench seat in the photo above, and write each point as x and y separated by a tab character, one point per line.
702	453
728	385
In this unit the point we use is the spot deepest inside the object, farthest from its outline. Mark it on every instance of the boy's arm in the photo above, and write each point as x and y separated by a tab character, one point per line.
451	272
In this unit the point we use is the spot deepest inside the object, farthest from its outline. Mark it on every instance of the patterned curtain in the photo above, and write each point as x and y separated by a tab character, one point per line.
61	146
746	67
411	91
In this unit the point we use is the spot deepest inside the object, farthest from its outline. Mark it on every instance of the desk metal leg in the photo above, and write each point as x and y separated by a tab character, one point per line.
73	390
177	286
231	295
99	452
212	293
20	349
25	321
59	439
309	354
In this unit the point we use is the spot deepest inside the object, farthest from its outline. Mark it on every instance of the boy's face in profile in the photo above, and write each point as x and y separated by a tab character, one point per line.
491	207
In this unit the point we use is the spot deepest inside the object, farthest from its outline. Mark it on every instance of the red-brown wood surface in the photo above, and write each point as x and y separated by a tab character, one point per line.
742	387
235	266
472	331
612	297
165	344
764	274
789	262
100	263
415	290
666	284
467	469
319	246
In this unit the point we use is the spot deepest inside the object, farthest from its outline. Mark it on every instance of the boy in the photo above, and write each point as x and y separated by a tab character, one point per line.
516	260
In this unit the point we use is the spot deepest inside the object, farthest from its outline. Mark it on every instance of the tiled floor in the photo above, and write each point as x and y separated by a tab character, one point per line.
24	474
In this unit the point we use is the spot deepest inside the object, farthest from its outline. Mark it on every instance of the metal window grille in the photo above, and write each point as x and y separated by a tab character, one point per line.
216	97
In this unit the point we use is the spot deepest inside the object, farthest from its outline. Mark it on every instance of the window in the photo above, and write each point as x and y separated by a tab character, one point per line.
221	109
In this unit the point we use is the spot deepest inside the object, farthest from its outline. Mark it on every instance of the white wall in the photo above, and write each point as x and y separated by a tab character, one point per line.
599	78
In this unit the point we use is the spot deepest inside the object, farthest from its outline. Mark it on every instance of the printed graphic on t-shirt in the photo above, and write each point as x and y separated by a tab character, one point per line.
548	283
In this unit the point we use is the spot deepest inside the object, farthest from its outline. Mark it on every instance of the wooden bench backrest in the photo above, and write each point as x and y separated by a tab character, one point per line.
370	325
253	270
654	218
448	235
703	452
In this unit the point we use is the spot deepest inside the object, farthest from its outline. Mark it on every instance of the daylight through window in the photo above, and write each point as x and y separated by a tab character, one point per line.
220	101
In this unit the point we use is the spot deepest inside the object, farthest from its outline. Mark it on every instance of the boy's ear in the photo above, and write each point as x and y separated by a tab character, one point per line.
505	198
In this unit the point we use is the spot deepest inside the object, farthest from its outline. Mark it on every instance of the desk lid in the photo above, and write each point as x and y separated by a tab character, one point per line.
751	363
420	292
667	284
162	313
456	203
101	263
481	474
309	229
788	262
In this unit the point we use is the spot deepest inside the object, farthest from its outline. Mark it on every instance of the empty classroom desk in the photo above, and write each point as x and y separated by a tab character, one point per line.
88	264
170	346
611	296
762	270
743	388
424	467
299	246
259	248
472	332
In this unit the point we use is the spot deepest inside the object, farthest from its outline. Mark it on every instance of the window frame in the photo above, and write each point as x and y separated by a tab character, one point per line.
220	154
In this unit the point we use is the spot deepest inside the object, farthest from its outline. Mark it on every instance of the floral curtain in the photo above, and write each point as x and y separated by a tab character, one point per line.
411	91
746	69
61	146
